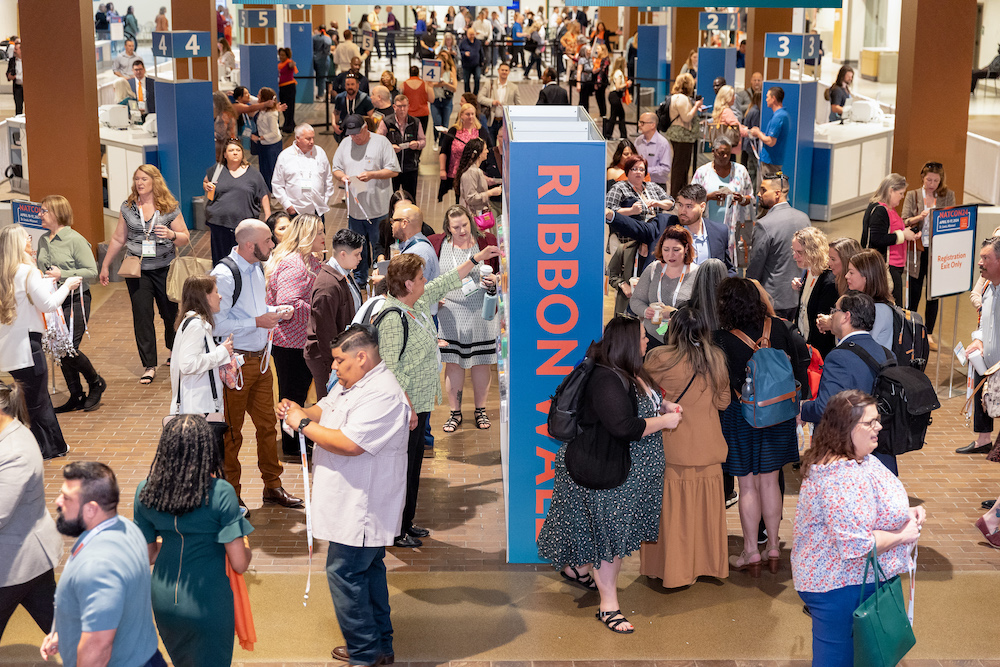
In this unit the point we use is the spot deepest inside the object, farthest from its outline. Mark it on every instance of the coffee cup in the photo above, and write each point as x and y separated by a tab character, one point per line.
978	363
658	309
633	281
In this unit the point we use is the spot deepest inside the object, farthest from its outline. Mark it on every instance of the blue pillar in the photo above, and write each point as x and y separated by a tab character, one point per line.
298	38
186	138
797	156
651	60
259	66
714	62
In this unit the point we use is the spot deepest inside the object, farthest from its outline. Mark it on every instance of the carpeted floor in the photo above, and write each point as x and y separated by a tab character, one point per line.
527	616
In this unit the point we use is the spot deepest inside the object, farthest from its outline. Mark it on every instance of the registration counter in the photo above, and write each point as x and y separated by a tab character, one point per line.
848	163
122	151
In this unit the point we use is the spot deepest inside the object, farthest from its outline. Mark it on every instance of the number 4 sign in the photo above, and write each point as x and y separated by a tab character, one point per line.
181	44
431	70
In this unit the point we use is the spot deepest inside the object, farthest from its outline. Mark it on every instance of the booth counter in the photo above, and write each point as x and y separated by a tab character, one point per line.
123	151
848	163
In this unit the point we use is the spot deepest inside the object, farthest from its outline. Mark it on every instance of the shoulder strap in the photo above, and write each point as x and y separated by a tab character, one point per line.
765	337
745	338
402	317
211	373
237	277
875	366
686	388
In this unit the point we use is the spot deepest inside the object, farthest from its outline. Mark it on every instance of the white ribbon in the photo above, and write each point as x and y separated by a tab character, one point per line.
265	361
911	567
309	526
72	315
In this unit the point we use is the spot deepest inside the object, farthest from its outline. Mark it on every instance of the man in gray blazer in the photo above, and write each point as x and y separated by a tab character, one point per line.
30	545
771	263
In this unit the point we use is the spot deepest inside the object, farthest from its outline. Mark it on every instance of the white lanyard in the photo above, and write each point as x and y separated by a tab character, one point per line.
152	222
72	314
911	566
677	289
309	524
104	525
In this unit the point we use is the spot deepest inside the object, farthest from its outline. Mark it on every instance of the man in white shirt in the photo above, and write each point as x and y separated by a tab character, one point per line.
121	66
359	483
303	181
366	166
345	51
496	94
460	21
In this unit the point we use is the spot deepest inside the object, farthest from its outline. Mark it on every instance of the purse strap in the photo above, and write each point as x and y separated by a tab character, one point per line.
879	574
686	388
211	375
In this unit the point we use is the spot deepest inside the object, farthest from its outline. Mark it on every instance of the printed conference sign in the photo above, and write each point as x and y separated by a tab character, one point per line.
28	214
953	254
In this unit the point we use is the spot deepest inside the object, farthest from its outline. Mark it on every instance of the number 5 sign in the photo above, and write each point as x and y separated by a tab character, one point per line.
431	70
182	44
367	40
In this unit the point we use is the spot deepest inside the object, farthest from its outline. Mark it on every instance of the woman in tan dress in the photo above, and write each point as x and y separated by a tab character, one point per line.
692	372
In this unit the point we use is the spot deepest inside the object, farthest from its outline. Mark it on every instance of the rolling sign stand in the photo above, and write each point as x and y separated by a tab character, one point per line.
951	266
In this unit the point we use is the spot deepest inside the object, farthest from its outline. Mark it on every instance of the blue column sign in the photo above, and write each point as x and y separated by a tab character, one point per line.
717	20
182	44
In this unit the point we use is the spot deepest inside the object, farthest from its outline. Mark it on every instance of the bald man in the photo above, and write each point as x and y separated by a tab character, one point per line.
653	146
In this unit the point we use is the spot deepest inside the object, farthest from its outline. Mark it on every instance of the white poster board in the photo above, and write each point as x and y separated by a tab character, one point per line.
953	258
117	31
431	70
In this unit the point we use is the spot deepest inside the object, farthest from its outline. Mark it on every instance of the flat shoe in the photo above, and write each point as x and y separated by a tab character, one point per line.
987	504
613	619
417	531
973	448
407	542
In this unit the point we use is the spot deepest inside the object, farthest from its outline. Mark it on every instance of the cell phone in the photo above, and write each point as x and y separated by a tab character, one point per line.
382	267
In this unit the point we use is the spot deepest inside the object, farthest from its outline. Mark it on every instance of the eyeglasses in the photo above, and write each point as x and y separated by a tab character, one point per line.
933	165
43	210
871	423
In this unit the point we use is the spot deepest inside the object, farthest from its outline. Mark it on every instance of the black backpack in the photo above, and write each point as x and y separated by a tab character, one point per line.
564	406
406	325
230	264
663	119
905	398
909	338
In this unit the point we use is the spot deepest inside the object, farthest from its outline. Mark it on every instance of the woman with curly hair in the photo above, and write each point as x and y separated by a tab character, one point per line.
186	502
150	226
472	187
290	274
817	287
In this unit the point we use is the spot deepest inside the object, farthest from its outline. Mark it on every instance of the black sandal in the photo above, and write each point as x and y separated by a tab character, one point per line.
453	422
482	421
613	619
586	579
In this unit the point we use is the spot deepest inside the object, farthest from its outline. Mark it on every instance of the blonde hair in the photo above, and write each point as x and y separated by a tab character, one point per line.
298	238
815	246
723	100
13	241
889	183
60	209
475	117
163	200
684	85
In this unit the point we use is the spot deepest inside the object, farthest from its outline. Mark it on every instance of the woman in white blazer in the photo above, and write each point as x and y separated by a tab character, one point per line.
30	545
24	296
195	352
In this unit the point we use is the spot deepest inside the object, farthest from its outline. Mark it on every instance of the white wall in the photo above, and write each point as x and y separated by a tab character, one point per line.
8	19
991	32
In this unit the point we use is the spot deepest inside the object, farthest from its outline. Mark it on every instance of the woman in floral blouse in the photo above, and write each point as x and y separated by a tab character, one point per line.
290	273
848	502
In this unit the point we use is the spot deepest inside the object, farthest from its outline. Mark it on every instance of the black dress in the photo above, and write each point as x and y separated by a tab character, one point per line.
822	299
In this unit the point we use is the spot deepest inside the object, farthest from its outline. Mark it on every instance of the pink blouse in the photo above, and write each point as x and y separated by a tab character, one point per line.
840	504
291	284
462	137
897	253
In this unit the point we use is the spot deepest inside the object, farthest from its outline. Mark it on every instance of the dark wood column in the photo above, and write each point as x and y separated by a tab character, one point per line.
685	37
64	148
198	15
759	22
932	67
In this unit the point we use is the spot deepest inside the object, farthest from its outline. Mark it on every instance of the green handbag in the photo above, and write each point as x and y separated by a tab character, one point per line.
882	632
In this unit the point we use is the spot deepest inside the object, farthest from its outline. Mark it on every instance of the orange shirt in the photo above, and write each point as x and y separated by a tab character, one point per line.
417	94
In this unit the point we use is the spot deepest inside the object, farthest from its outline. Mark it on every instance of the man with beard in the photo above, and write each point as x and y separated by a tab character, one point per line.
104	613
771	262
244	314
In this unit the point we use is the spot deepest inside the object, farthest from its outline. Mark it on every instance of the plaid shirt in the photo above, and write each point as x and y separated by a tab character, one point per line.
418	371
623	190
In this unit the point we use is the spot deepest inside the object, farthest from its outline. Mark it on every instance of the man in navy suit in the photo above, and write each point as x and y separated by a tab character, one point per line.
851	322
711	239
145	93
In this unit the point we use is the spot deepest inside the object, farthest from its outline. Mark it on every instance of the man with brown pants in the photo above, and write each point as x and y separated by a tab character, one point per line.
244	314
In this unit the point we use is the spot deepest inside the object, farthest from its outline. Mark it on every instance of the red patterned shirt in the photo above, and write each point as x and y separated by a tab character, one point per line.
291	284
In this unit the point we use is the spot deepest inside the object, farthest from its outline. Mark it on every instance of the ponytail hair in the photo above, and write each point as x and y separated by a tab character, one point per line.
12	402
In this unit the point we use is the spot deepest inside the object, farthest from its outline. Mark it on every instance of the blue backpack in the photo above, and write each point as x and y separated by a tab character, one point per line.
770	394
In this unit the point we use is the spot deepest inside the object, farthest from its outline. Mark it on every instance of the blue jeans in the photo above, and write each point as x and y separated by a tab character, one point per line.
361	600
321	66
833	624
390	45
440	114
476	71
370	249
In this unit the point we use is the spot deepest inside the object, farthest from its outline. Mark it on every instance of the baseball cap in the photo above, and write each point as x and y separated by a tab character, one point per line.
353	124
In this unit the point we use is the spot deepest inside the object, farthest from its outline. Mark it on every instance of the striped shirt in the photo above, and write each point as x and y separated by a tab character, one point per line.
138	230
358	500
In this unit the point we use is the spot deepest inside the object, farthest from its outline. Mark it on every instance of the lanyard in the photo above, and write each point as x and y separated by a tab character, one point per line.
152	222
104	525
72	315
309	525
911	566
659	285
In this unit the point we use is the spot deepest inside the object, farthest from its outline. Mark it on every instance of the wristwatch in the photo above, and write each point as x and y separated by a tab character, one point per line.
305	422
475	262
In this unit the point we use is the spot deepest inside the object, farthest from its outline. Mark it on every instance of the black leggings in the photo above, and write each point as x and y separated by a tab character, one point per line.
294	378
286	95
74	366
617	115
34	380
916	291
602	104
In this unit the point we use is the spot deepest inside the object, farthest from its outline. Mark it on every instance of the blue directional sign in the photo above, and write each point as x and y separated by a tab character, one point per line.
182	44
791	46
717	21
259	18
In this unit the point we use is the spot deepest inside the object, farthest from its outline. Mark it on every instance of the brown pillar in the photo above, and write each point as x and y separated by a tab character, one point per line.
261	35
64	149
759	22
197	15
932	68
685	38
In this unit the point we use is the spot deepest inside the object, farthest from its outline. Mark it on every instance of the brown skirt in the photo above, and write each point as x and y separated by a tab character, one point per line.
692	539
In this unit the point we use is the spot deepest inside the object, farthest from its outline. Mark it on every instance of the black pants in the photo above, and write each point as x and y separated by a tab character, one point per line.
981	422
390	45
294	378
586	90
74	367
617	116
414	461
149	287
517	54
406	180
602	103
286	95
916	290
37	596
34	382
679	165
223	240
18	99
536	61
977	75
898	275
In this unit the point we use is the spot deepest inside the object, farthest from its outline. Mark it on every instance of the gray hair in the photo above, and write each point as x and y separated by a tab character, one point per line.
891	182
248	229
993	242
302	127
380	93
722	140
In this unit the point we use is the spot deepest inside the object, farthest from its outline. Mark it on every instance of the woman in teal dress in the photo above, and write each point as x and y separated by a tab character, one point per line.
196	512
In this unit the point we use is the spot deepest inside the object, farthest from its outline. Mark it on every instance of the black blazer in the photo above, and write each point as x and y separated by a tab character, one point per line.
875	232
612	409
552	95
823	298
150	93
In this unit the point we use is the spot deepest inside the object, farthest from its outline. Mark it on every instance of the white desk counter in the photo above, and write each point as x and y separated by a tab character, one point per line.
124	151
849	161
